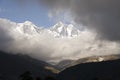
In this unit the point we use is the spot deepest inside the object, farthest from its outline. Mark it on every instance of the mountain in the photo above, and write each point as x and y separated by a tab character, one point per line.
27	28
68	63
59	30
12	66
64	64
63	30
106	70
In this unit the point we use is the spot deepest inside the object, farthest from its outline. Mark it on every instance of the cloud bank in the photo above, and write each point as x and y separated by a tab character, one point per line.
102	16
26	38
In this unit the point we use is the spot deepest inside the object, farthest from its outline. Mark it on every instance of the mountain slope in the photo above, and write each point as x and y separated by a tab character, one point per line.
106	70
68	63
64	64
12	66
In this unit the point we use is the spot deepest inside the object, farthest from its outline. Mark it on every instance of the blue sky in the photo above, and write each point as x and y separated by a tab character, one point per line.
19	12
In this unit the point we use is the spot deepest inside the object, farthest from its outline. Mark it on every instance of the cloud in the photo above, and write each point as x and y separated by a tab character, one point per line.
63	16
102	16
20	38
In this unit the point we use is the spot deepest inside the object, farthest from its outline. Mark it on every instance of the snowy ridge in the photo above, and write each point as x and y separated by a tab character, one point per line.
64	30
59	30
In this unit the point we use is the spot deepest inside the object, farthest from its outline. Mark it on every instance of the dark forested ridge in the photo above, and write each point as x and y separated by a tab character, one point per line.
106	70
12	66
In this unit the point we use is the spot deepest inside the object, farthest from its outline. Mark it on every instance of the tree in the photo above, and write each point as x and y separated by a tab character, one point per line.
38	78
26	76
49	78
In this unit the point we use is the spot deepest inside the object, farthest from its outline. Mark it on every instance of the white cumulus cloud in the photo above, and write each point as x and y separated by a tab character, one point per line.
26	38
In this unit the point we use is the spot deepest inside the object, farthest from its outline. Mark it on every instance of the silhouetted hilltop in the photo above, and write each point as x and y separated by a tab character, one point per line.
106	70
11	66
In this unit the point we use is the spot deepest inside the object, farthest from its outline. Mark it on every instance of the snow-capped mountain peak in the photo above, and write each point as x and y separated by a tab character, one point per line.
59	30
65	30
27	27
59	24
28	23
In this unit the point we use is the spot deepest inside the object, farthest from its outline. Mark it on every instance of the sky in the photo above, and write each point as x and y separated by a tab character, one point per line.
31	11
